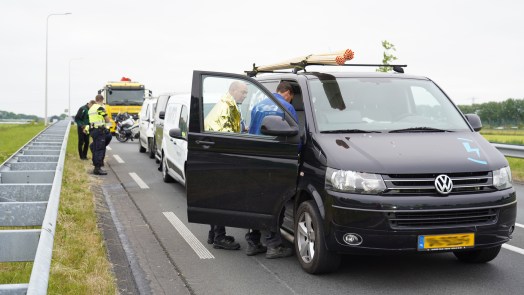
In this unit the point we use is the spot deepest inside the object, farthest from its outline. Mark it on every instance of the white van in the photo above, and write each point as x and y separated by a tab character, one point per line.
174	150
147	131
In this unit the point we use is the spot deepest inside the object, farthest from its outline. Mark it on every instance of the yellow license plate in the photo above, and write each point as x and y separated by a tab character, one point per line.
446	242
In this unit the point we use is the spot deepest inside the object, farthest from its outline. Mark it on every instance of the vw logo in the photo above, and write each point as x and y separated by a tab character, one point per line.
443	184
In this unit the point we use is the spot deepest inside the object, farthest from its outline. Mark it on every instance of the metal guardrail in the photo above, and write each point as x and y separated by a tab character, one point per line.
510	150
30	184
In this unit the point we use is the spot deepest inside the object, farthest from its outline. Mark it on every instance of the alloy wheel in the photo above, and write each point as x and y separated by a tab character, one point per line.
306	238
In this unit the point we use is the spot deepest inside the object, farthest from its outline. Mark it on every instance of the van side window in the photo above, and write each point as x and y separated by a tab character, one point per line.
182	124
170	119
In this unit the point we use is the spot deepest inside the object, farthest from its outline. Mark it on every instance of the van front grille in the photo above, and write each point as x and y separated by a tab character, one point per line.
417	184
436	219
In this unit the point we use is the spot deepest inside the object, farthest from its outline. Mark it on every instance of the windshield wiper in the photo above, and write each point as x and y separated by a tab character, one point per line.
350	131
419	129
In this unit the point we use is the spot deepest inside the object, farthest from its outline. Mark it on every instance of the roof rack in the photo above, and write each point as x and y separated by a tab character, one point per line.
302	67
337	58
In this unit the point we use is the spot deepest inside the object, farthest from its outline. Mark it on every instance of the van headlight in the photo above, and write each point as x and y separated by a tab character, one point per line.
354	182
502	178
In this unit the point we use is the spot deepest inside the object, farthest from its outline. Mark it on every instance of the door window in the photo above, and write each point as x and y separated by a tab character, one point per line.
170	119
228	105
182	124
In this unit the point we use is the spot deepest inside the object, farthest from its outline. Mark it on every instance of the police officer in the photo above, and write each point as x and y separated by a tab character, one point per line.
98	119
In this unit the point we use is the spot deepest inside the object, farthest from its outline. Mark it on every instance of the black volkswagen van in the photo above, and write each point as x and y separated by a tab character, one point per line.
377	163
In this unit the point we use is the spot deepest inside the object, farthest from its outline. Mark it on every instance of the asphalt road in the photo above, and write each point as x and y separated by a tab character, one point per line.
165	262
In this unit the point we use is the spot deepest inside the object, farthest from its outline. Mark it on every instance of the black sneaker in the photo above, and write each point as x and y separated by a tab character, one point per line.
253	249
227	243
278	252
210	237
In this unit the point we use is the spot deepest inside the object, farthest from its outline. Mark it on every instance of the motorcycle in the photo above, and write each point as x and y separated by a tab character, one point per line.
126	128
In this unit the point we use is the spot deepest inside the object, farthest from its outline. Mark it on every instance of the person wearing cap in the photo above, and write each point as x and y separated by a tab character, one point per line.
98	120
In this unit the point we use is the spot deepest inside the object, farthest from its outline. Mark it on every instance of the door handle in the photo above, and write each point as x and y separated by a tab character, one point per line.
203	142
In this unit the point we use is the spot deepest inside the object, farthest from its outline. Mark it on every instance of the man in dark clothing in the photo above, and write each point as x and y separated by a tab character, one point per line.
82	120
275	248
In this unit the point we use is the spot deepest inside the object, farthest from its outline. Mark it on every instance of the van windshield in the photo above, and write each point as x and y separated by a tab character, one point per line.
382	104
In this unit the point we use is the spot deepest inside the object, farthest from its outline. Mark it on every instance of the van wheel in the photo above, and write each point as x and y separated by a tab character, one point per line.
141	149
165	176
310	243
478	256
150	147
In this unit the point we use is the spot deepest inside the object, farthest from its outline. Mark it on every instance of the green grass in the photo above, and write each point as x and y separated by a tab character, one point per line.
13	137
517	168
510	136
79	264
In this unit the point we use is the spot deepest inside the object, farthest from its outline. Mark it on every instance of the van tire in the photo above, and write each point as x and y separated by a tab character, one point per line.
478	256
150	146
165	176
321	261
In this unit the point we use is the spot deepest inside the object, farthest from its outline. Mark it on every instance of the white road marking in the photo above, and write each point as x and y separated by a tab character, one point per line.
109	148
118	159
193	242
138	180
519	225
513	248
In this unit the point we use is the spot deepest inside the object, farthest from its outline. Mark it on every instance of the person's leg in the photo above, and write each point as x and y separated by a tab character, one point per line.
103	138
108	138
222	241
275	248
92	146
211	234
254	246
220	232
100	148
80	143
85	146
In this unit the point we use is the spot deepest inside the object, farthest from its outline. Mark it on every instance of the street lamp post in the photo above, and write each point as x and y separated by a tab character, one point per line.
46	43
69	99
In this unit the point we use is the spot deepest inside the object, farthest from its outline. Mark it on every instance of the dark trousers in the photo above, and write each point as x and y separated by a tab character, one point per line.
98	146
83	143
273	238
219	230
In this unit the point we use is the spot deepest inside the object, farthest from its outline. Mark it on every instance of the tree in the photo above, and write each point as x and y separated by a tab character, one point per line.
387	56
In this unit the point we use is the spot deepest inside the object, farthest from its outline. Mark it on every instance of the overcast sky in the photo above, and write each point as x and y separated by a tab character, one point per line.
472	49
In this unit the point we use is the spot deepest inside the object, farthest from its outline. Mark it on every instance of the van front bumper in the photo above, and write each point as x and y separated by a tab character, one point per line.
394	223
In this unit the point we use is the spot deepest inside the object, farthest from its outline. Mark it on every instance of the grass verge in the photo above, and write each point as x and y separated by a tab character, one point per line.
79	264
14	136
509	137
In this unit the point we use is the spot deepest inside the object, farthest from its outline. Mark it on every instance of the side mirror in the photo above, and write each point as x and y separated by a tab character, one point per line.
276	125
176	133
162	115
474	121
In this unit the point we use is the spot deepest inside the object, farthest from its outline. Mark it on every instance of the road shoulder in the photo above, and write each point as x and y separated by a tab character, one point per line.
140	264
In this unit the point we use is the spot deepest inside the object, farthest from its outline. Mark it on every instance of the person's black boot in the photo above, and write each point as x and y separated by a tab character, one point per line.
278	252
254	249
99	171
227	243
